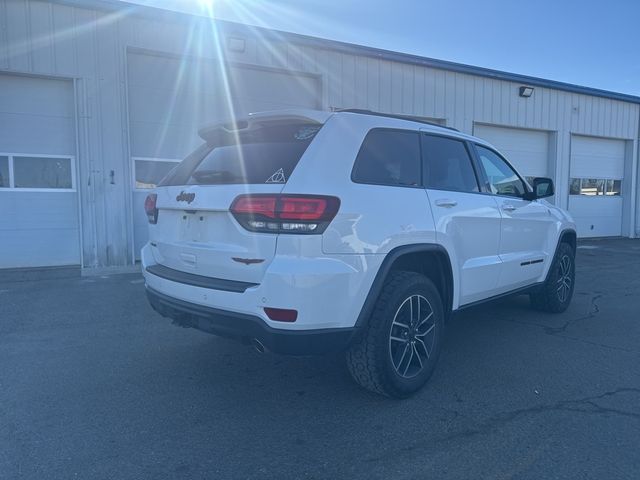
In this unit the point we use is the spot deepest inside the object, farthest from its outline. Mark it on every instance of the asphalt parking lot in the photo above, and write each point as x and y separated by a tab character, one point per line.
93	384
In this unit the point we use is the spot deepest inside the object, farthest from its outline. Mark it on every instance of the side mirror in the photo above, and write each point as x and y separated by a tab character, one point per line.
542	187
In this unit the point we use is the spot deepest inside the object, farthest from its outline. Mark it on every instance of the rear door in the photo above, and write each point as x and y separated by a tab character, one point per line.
467	221
195	231
527	226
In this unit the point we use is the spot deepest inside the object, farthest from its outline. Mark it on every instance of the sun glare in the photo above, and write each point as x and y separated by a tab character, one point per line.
206	5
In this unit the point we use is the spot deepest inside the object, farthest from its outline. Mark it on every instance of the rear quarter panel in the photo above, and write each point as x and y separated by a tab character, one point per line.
372	219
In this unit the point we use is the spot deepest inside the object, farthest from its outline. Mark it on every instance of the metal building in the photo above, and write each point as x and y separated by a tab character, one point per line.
99	98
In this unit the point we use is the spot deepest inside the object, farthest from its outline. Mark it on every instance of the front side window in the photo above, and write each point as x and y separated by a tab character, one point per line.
502	179
388	157
448	165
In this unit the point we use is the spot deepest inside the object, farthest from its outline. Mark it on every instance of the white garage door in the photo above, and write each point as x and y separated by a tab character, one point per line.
595	200
171	98
38	198
527	150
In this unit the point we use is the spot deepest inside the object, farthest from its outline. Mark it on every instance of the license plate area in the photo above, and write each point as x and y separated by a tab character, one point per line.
193	227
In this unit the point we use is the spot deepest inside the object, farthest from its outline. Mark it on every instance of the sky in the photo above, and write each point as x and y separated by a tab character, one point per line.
588	42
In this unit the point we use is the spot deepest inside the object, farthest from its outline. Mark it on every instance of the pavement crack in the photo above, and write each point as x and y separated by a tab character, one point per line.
587	405
597	344
556	330
594	309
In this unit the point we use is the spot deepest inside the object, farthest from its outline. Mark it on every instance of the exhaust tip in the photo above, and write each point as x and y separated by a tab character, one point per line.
258	345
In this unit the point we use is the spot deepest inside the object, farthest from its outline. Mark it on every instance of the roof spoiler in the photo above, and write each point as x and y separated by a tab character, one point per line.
254	119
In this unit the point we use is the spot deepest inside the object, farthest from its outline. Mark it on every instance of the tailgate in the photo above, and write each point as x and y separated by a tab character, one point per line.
197	234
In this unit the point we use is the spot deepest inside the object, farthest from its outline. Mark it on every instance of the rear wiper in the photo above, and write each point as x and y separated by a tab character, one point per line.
215	176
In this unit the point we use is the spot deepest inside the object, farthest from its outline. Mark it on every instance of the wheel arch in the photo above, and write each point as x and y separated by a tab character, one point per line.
431	260
569	236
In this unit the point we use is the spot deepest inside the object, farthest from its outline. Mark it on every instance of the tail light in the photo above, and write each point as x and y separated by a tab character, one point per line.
151	209
306	214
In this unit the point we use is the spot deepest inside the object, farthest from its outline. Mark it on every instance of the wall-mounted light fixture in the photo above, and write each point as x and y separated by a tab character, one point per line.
526	92
236	44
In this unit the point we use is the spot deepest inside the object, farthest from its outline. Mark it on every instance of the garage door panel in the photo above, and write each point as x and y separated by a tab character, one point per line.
596	145
185	108
33	248
171	74
590	227
36	134
38	210
248	105
153	140
596	217
38	227
527	150
602	166
46	97
282	87
585	206
598	159
515	140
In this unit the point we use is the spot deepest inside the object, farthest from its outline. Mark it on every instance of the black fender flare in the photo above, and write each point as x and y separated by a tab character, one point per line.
563	234
387	266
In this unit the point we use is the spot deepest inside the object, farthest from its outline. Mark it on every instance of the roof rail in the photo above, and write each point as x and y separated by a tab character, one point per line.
393	115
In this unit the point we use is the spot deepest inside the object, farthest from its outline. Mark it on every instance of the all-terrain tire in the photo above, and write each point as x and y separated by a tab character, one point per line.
556	293
374	359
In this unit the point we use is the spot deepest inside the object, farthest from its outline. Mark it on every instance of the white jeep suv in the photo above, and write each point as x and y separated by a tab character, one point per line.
305	232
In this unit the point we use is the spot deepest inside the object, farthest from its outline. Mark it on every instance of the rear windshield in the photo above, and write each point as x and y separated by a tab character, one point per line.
267	154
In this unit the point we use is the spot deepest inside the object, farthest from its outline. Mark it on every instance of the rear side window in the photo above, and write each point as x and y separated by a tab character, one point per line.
267	154
448	165
388	157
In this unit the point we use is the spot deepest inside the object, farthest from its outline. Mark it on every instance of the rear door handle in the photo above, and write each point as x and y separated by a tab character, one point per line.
445	202
507	207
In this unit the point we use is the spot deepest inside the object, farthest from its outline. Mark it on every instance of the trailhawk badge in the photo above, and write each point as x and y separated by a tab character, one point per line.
185	197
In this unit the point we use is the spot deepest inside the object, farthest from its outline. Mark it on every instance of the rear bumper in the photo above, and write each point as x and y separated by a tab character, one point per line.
327	291
245	327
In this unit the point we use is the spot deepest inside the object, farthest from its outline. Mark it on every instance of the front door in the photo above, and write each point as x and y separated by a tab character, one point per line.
527	231
467	221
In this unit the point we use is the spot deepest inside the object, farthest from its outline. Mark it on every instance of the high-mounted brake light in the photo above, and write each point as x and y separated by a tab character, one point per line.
150	208
285	213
